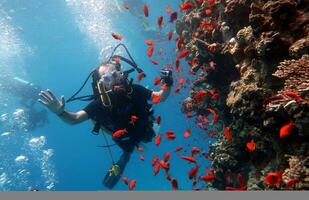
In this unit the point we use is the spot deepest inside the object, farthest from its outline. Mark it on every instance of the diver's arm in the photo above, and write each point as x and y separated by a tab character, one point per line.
73	117
162	93
167	79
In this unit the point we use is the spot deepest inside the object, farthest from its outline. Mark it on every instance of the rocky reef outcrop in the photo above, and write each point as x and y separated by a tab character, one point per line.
254	54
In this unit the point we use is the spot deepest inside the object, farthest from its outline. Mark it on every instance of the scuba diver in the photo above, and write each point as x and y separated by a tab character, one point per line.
115	100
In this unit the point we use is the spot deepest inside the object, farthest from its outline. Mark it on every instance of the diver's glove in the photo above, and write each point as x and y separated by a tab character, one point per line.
166	77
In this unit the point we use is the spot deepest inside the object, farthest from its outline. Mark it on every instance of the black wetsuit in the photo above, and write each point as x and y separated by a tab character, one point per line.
119	117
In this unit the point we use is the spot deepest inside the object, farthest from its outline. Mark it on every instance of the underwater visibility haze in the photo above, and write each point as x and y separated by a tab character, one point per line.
181	95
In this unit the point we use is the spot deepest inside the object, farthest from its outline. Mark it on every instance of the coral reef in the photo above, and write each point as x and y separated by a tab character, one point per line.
254	54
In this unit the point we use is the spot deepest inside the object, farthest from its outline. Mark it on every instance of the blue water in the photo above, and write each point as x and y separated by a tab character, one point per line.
55	44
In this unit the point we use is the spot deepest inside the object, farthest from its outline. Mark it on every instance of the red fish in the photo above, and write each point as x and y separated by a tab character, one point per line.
210	172
189	158
240	180
200	95
149	42
208	12
195	151
157	80
133	119
181	81
183	54
179	43
177	65
291	183
146	11
251	146
214	115
168	177
119	133
125	180
189	115
142	158
156	170
212	134
193	172
132	184
140	76
158	140
154	161
187	133
170	137
176	90
158	120
167	156
150	51
186	6
286	129
126	6
168	9
160	21
228	134
192	73
116	36
163	165
204	25
178	149
170	35
211	2
140	149
173	17
200	1
174	184
156	99
273	178
194	183
154	62
294	95
208	178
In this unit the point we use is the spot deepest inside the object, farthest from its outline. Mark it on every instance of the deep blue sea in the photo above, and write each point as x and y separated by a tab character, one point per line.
55	44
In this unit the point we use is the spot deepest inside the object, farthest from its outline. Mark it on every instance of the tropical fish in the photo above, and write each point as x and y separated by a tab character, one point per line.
140	149
291	183
270	99
150	51
157	80
189	115
228	134
178	149
158	120
168	177
192	73
208	178
212	134
199	95
154	62
194	183
174	184
181	81
273	178
167	156
210	172
154	161
146	11
211	2
208	12
132	184
156	99
116	36
251	146
179	43
214	115
149	42
142	158
240	180
126	6
176	90
140	76
173	17
195	151
286	129
204	25
158	140
163	165
133	119
187	133
125	180
183	54
168	9
189	158
119	133
193	172
170	35
294	95
156	170
170	135
177	65
186	6
160	21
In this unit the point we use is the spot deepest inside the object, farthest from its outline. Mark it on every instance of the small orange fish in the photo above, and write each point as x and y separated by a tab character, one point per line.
119	133
178	149
286	129
156	170
160	21
173	17
154	62
193	172
158	120
150	51
294	95
212	134
179	43
132	184
208	12
140	149
228	134
176	90
142	158
133	119
189	158
273	178
146	10
195	151
211	2
200	95
186	6
168	177
187	133
125	180
291	183
177	65
189	115
154	161
156	99
126	6
158	140
168	9
163	165
170	135
181	81
116	36
183	54
174	184
157	80
149	42
140	76
167	156
208	178
170	35
251	146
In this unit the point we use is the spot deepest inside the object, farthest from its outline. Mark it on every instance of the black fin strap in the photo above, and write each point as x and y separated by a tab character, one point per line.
96	128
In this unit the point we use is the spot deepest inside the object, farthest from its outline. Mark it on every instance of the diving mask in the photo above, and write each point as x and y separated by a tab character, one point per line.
110	79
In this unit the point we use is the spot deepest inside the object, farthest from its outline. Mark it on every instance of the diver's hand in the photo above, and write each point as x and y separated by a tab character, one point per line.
49	100
167	77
